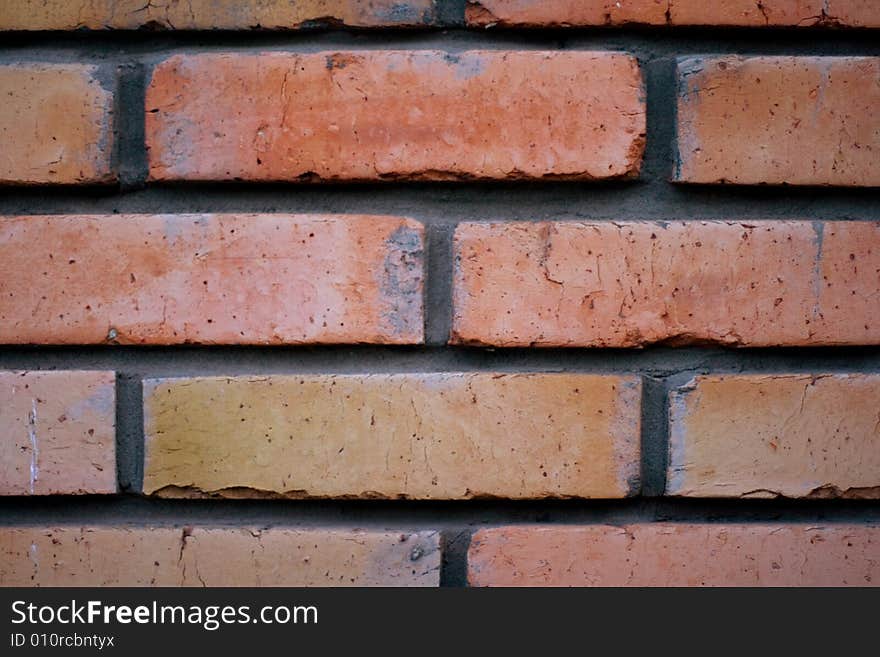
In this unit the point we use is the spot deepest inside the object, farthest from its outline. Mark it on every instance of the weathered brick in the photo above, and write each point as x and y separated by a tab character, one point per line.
789	435
564	13
676	555
57	433
858	13
438	436
203	556
779	120
55	125
624	284
775	13
735	13
213	14
216	279
377	115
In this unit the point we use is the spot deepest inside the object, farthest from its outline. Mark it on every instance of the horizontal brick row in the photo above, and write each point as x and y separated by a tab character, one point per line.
444	436
424	436
666	554
214	556
626	284
651	554
211	279
35	15
728	13
330	279
428	115
379	115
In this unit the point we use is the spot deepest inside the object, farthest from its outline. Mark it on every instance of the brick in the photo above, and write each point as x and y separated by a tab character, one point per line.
56	125
666	554
205	556
211	279
380	115
628	284
779	120
57	433
564	13
774	13
789	435
858	13
421	436
213	14
730	13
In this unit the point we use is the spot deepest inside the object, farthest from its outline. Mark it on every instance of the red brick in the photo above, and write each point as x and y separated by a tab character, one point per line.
378	115
419	436
625	284
733	13
58	433
858	13
564	13
779	120
213	279
666	554
215	556
794	435
213	14
56	125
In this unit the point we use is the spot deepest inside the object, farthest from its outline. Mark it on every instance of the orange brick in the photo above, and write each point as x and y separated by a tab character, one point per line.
779	120
746	13
776	435
564	13
734	13
204	556
625	284
57	433
213	279
858	13
378	115
421	436
213	14
56	125
676	555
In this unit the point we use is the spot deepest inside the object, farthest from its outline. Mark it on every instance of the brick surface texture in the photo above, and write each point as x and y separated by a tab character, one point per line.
213	14
213	279
779	120
334	116
443	436
665	554
55	125
57	433
206	556
625	284
440	293
790	435
724	13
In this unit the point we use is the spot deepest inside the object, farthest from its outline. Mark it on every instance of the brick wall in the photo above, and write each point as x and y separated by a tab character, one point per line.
440	293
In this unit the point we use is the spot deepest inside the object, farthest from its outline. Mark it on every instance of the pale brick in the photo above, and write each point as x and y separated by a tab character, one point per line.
57	433
422	436
206	556
665	554
792	435
56	125
779	120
